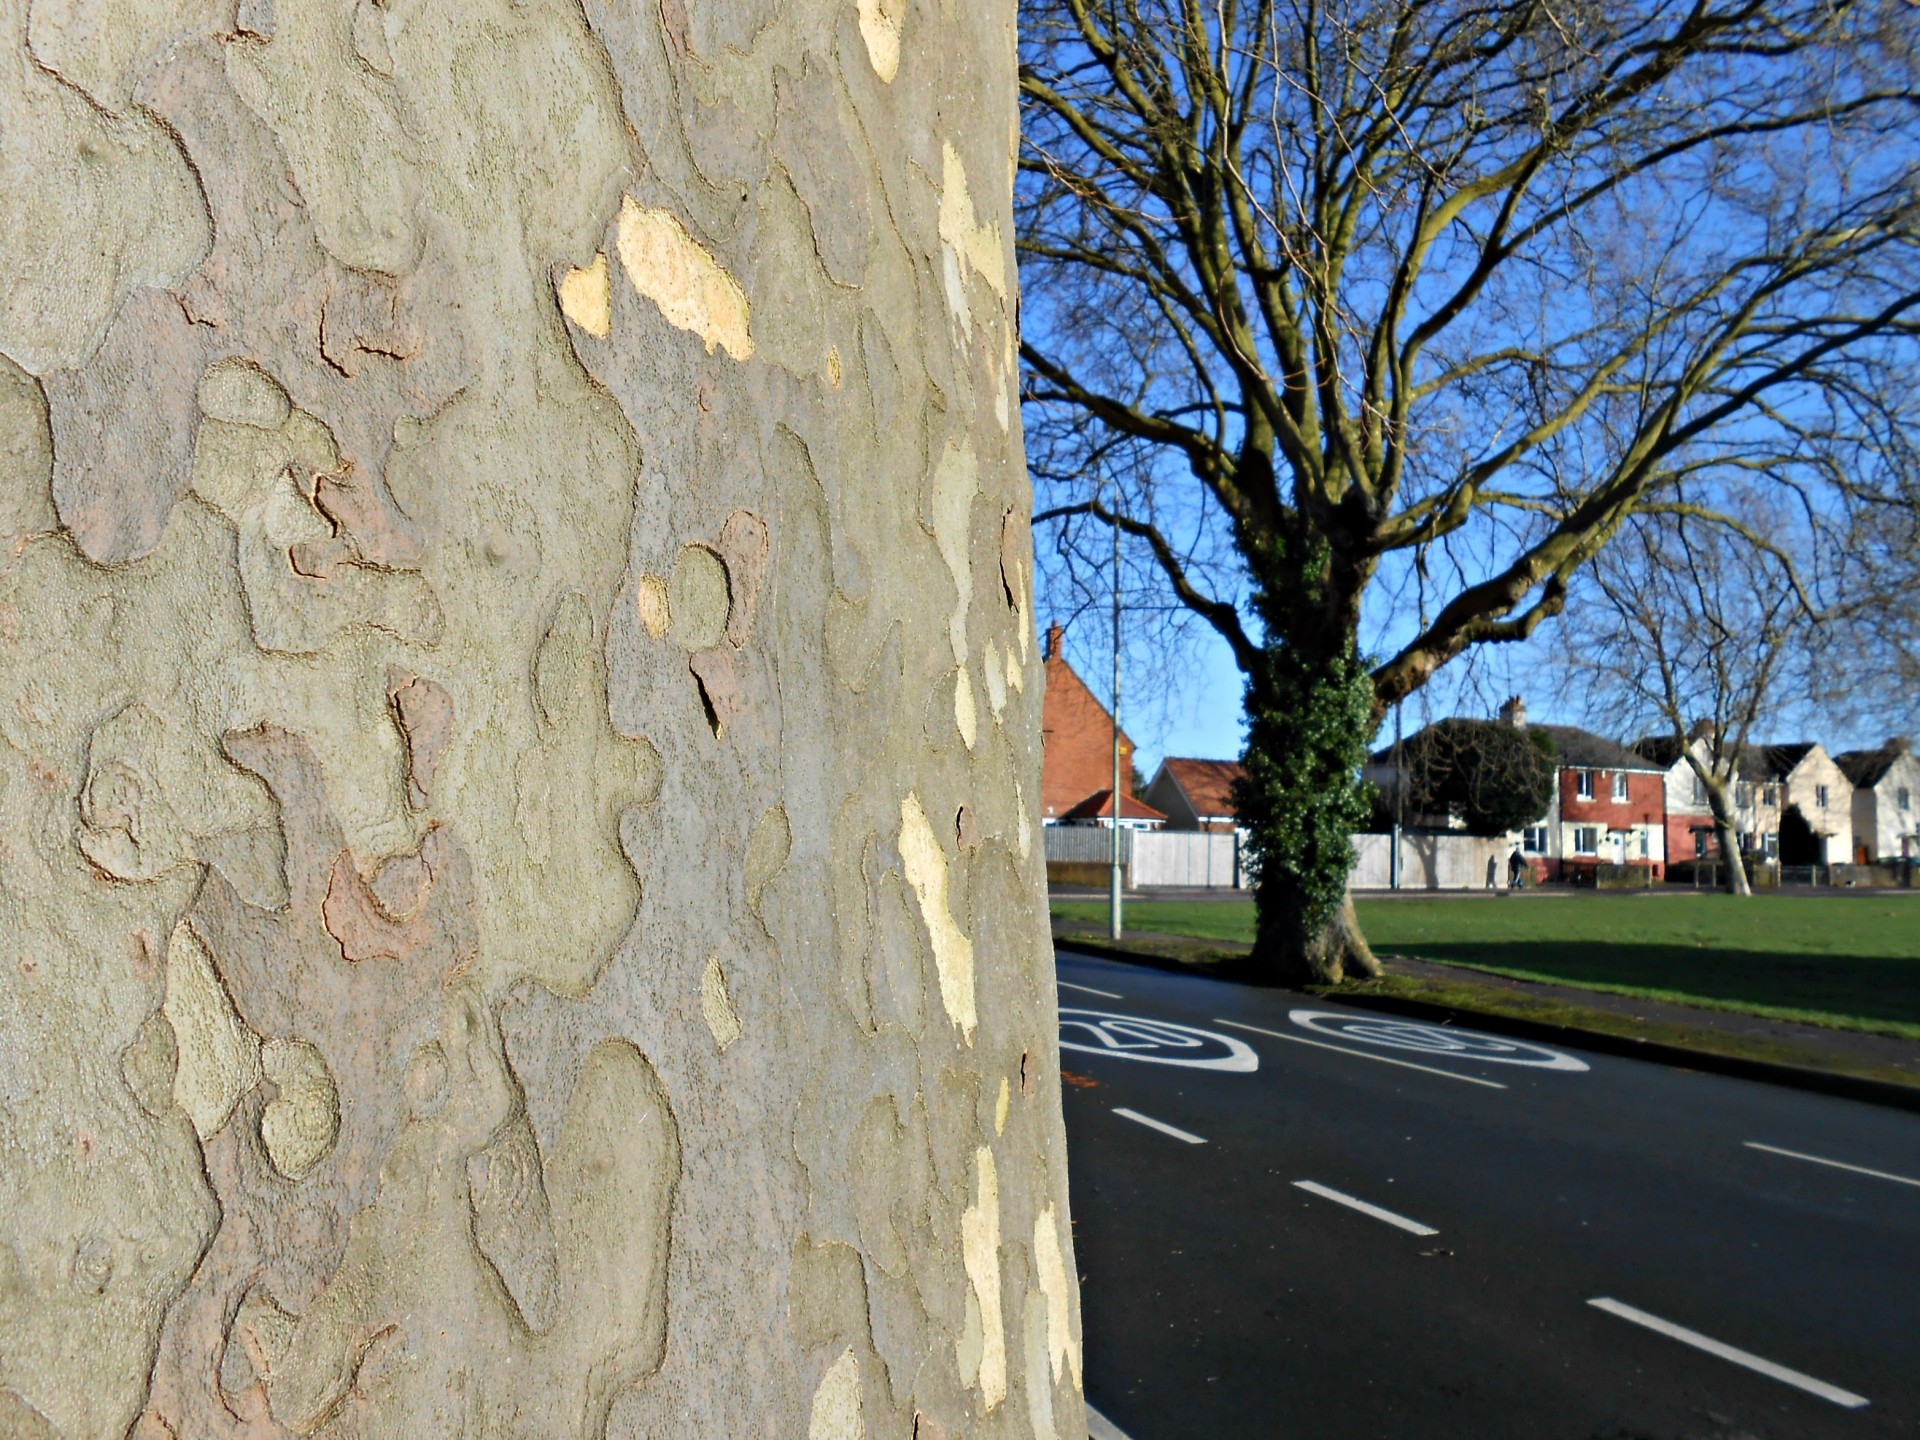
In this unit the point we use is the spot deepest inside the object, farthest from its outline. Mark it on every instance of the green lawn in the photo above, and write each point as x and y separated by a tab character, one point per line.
1851	961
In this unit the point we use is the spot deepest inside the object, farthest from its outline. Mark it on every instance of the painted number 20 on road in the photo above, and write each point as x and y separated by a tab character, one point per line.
1158	1042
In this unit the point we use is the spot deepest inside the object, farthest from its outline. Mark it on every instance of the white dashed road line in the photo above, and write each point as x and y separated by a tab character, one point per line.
1834	1393
1099	1427
1412	1227
1836	1164
1088	990
1152	1124
1363	1055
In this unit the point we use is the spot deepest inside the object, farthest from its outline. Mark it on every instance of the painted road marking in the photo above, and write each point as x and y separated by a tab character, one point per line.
1099	1427
1088	990
1836	1164
1436	1040
1152	1124
1694	1338
1412	1227
1363	1055
1159	1042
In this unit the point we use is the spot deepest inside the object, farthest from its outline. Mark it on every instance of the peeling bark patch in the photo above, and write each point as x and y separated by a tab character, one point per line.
983	1344
425	714
219	1057
717	1005
1049	1261
1002	1103
672	269
586	296
881	22
767	851
926	869
300	1124
744	547
698	598
719	687
241	393
1033	1367
955	483
836	1402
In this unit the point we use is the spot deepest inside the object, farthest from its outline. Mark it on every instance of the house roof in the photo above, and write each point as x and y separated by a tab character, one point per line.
1662	750
1207	784
1099	806
1574	749
1867	768
1781	759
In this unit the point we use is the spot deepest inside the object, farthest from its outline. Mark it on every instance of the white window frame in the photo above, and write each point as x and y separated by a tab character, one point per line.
1619	786
1586	840
1533	840
1583	784
1820	796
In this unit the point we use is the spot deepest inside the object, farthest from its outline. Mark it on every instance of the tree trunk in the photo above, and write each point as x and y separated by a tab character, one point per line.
517	713
1309	717
1726	828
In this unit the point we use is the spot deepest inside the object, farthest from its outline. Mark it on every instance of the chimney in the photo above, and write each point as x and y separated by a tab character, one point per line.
1055	633
1514	713
1900	745
1703	729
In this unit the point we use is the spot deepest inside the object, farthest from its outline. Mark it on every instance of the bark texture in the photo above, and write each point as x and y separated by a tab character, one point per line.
518	714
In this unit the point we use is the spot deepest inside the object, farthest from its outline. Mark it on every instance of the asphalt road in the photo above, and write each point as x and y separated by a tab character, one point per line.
1222	1299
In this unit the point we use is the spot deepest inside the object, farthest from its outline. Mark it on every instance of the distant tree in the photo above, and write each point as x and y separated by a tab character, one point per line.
1488	776
1320	297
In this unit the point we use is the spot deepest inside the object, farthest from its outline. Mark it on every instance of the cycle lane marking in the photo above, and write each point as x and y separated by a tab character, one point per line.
1798	1379
1836	1164
1327	1192
1363	1055
1152	1124
1099	1427
1088	990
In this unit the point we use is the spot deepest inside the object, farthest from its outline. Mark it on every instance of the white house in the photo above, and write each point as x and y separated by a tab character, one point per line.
1886	801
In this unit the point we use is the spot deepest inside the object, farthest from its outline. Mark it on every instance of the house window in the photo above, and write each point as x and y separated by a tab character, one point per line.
1745	796
1906	798
1701	842
1619	785
1535	840
1584	785
1820	796
1772	845
1699	790
1646	841
1770	796
1586	839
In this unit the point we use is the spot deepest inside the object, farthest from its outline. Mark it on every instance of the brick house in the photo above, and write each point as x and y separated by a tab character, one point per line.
1195	794
1609	807
1076	764
1691	832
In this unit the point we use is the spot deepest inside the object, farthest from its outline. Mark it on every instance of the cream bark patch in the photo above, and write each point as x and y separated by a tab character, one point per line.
966	712
955	482
692	289
300	1124
219	1057
926	867
881	22
837	1411
717	1005
586	296
980	1250
965	241
1049	1262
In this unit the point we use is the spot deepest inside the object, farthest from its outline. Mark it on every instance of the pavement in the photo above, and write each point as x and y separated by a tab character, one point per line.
1340	1223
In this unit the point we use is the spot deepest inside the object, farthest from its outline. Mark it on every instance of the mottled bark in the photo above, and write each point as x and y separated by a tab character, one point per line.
513	557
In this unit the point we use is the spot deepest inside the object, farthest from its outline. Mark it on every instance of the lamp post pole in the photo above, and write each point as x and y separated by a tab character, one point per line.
1114	926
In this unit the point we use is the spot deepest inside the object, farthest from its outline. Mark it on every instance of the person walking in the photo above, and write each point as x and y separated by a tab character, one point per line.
1516	871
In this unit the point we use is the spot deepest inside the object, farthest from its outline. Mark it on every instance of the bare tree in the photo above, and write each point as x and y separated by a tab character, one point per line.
1358	290
1703	637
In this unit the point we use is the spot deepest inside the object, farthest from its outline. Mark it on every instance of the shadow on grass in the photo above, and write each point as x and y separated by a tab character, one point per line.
1877	990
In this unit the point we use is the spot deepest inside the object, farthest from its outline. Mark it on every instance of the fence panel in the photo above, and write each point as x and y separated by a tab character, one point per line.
1084	845
1189	859
1430	862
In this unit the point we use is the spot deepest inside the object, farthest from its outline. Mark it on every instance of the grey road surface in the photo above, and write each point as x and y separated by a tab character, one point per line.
1297	1220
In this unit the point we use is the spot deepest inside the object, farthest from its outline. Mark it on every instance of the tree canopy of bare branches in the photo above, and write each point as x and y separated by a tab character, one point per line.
1325	294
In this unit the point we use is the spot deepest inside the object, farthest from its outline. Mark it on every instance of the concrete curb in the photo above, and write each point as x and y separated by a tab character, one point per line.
1797	1077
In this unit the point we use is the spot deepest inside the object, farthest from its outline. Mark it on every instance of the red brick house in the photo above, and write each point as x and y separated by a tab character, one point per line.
1076	766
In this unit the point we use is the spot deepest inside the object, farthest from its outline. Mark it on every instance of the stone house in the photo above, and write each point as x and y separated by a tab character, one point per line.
1814	802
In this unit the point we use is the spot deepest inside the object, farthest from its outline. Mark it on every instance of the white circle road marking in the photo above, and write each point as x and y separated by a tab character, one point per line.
1135	1037
1436	1040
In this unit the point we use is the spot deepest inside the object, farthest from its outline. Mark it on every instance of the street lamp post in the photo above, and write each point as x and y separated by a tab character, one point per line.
1114	925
